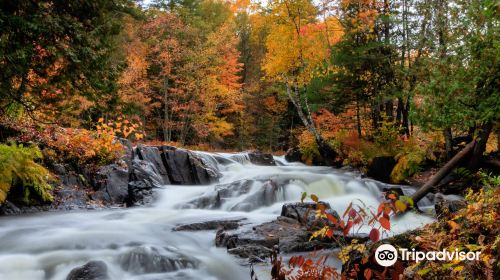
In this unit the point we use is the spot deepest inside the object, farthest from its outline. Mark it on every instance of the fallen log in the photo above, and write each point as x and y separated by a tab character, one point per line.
447	168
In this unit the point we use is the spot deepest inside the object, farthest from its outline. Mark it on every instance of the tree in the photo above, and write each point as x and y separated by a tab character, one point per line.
54	51
298	51
364	59
461	90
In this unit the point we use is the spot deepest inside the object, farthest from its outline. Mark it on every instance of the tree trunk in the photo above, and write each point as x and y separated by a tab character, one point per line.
166	117
448	144
358	118
324	148
477	156
449	166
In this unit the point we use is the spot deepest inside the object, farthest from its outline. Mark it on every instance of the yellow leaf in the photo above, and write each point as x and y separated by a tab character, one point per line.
400	206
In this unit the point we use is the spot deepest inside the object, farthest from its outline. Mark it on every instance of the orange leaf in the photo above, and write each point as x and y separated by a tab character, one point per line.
331	218
385	223
391	196
454	226
329	233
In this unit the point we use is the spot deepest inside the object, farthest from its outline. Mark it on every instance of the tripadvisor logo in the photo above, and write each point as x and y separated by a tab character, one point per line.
387	255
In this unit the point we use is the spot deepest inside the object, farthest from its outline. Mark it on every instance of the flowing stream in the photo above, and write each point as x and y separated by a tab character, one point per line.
138	243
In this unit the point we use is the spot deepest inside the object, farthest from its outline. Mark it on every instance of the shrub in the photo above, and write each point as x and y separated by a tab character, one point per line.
308	147
474	228
18	168
411	157
81	146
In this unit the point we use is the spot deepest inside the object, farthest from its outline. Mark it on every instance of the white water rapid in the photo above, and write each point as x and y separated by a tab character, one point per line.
138	243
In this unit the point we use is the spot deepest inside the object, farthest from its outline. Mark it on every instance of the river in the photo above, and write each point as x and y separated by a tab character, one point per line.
138	243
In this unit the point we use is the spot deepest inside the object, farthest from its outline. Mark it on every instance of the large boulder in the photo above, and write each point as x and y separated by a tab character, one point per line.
186	168
290	232
144	178
93	270
145	259
444	205
111	184
380	168
293	155
153	156
259	158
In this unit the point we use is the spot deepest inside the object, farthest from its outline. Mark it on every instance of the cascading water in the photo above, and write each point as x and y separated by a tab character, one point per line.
139	243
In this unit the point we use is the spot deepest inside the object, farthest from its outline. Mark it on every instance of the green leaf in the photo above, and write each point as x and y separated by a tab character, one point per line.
424	271
304	195
314	198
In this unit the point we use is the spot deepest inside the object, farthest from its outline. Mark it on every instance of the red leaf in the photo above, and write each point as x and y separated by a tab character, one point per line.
385	223
329	233
374	235
347	227
368	274
352	213
380	209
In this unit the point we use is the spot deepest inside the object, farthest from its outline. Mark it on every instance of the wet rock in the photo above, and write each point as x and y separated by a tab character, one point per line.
93	270
210	225
9	208
304	213
290	232
259	158
186	168
143	179
447	204
153	155
111	184
380	168
259	193
293	155
257	243
146	259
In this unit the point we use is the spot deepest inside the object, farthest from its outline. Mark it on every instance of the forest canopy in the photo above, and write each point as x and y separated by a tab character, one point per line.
242	74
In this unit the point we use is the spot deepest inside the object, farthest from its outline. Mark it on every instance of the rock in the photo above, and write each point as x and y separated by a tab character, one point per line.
185	168
93	270
293	155
304	213
153	155
210	225
128	154
380	168
447	204
290	232
143	179
111	184
265	193
259	158
59	169
144	259
257	243
9	208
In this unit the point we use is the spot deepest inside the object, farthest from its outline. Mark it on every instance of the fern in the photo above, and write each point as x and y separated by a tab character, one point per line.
18	168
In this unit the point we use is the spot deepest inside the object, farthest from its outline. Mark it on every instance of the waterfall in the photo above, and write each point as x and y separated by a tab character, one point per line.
139	244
